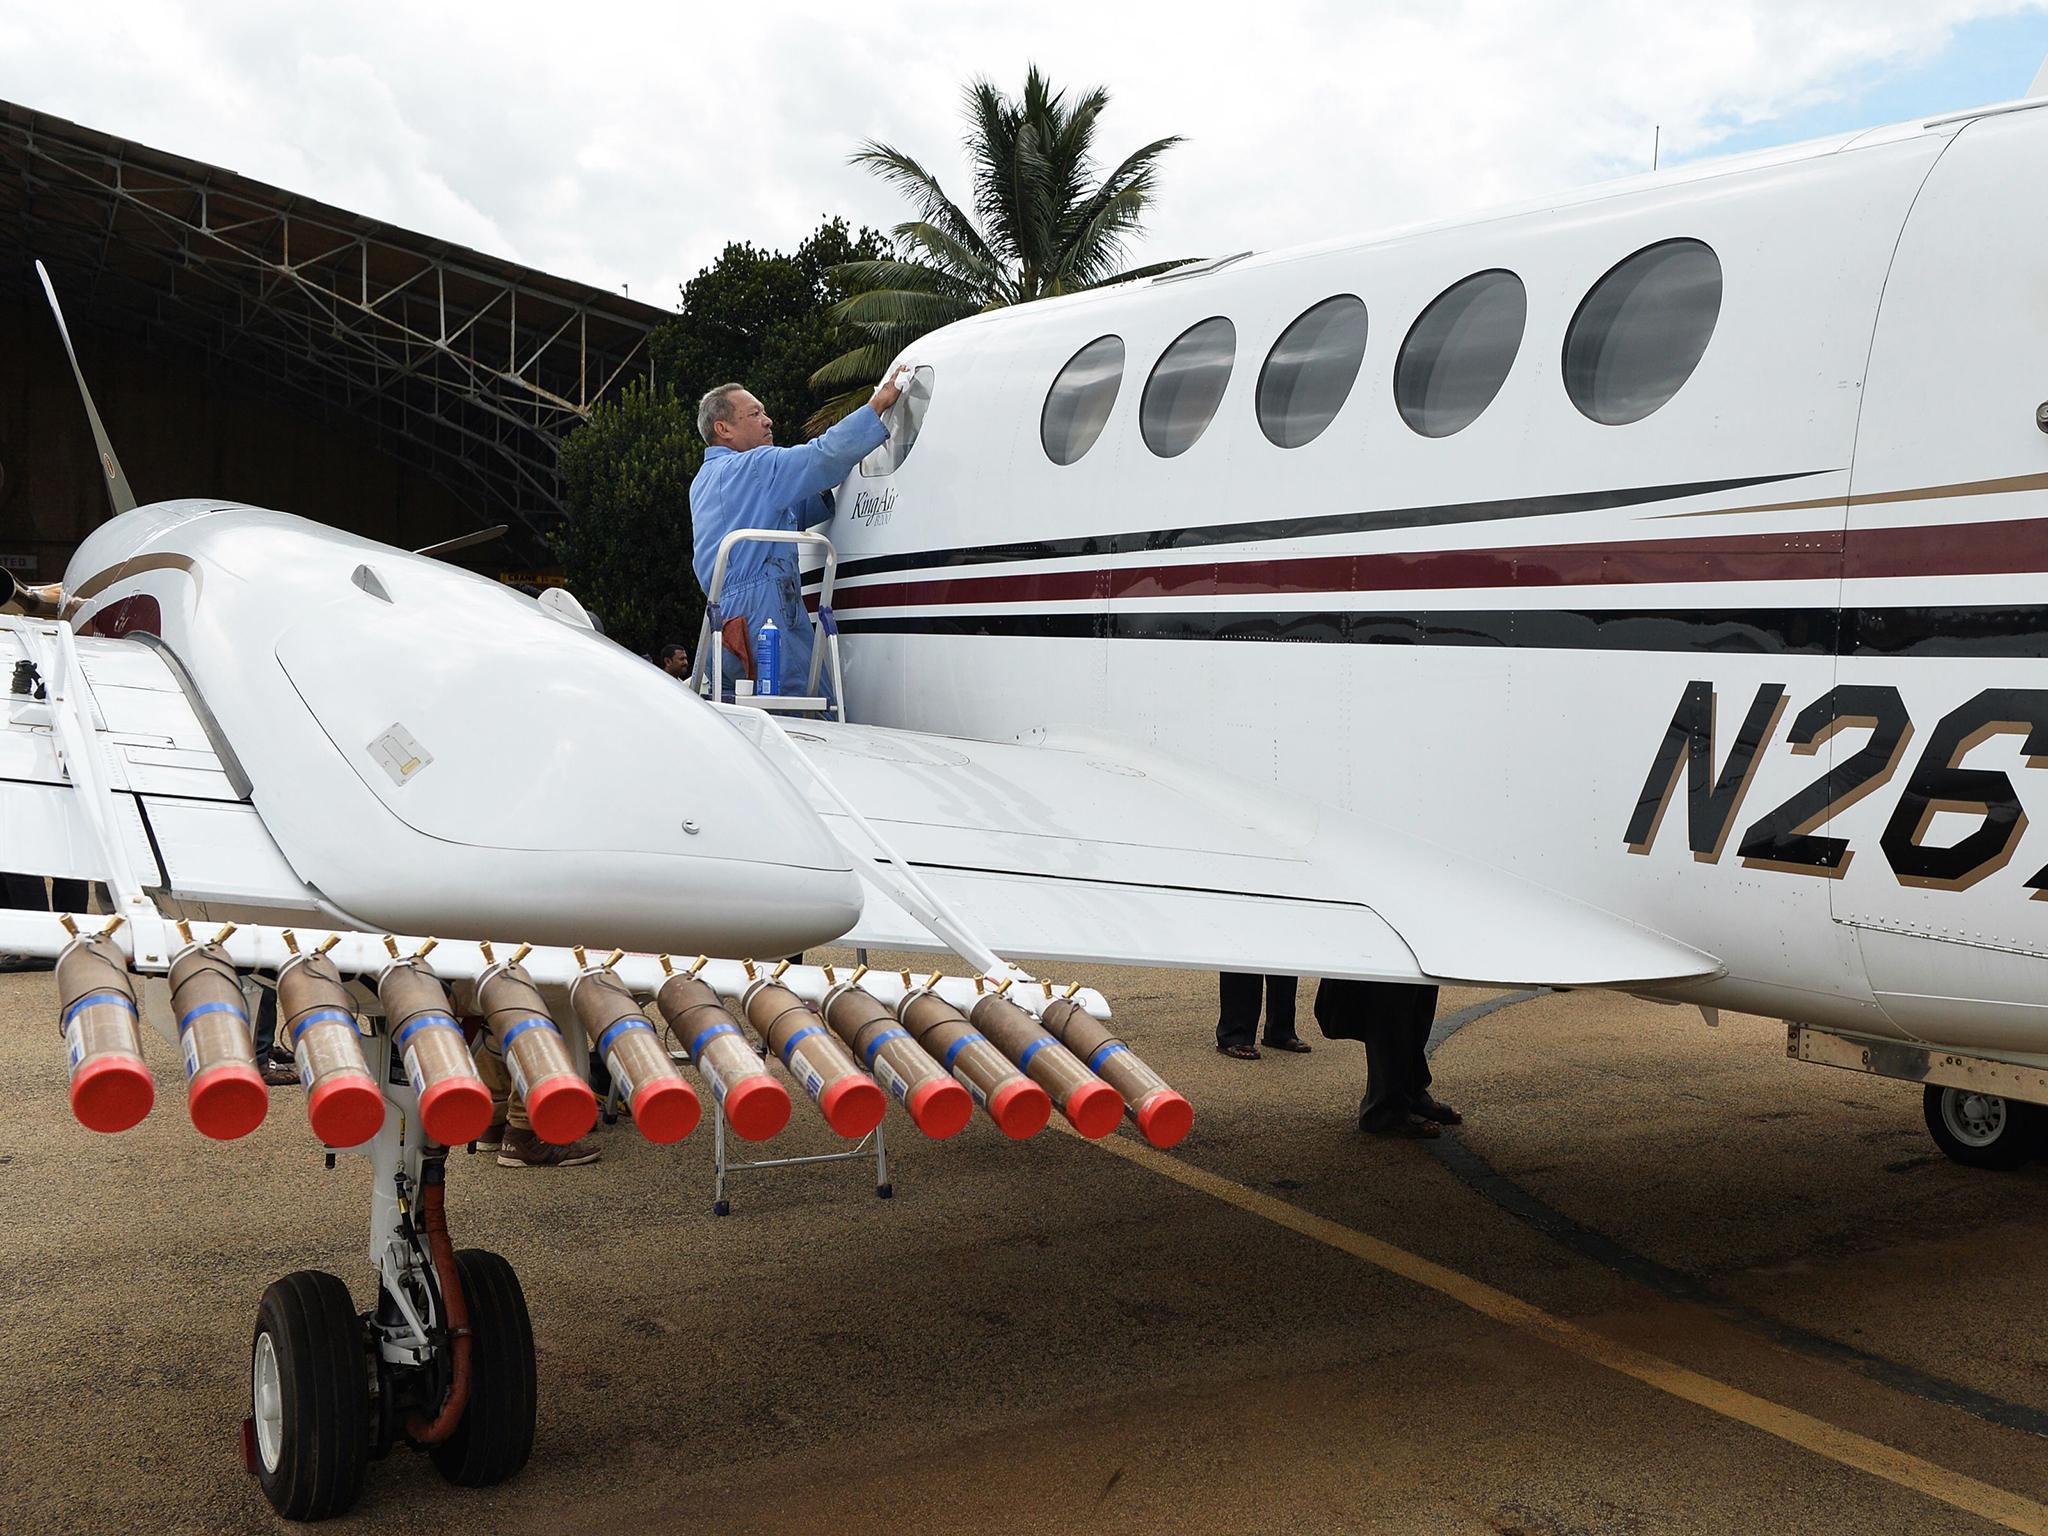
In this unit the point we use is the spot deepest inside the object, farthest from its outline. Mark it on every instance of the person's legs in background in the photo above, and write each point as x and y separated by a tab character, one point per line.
511	1132
1280	1035
1237	1019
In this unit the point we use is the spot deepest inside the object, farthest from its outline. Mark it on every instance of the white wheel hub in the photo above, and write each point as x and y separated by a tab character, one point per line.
266	1398
1975	1119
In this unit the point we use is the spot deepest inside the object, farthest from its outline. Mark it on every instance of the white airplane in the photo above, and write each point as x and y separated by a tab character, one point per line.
1354	611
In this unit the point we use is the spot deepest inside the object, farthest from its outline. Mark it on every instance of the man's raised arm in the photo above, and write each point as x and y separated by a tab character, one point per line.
805	470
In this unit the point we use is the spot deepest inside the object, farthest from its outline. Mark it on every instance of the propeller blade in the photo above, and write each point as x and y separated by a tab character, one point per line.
118	491
481	536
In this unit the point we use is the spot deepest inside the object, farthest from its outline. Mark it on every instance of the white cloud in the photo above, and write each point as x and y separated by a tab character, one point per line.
617	142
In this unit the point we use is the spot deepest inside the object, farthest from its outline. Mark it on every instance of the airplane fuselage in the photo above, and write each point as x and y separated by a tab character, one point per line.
1721	611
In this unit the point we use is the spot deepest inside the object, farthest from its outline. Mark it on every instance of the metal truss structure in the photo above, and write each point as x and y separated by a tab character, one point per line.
469	366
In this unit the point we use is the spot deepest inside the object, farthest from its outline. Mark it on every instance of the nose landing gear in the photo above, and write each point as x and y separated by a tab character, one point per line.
1983	1130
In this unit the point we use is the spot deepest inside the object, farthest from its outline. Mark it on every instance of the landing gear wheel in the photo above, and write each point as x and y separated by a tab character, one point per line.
496	1433
309	1391
1981	1129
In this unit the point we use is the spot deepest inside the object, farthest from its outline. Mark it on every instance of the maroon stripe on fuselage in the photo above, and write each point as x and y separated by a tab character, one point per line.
1947	549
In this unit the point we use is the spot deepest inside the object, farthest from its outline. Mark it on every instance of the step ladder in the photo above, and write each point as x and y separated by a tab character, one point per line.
708	674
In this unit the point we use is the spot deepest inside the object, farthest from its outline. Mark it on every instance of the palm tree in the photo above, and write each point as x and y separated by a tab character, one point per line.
1041	225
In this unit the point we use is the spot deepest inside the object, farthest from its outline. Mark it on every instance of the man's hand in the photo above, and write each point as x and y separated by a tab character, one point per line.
891	390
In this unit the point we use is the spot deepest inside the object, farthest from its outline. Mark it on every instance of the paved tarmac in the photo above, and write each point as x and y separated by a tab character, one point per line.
1663	1281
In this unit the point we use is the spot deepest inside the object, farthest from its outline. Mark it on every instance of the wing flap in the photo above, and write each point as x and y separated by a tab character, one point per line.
1094	922
1090	849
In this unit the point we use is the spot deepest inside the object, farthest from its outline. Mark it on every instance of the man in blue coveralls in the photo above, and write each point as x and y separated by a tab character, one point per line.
747	482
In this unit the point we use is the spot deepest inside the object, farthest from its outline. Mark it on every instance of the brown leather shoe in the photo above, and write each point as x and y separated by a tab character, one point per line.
1434	1109
523	1149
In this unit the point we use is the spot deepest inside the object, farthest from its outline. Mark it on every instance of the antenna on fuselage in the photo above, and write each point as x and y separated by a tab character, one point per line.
2040	85
464	541
118	491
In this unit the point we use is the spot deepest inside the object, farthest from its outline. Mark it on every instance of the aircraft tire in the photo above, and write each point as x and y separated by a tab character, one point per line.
310	1396
496	1433
1983	1130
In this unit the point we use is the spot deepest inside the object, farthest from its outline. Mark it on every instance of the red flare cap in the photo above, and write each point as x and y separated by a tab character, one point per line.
853	1106
1165	1118
112	1093
1095	1109
1020	1108
756	1107
666	1110
456	1110
346	1110
561	1109
940	1107
228	1101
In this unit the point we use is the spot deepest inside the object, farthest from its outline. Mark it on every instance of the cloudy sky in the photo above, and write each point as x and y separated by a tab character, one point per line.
624	143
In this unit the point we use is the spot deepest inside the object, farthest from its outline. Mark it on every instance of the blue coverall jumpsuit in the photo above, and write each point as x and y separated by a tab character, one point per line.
772	487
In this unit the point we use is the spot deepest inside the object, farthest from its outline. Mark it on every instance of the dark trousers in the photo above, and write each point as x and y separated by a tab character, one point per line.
1238	1018
1393	1019
26	891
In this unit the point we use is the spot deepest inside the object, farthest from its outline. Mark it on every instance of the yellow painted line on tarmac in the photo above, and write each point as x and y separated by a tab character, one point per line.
2011	1510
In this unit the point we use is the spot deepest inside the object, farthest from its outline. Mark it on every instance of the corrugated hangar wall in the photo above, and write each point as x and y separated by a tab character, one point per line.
182	430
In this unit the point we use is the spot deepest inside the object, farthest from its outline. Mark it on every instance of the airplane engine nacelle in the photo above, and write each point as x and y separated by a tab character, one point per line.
421	740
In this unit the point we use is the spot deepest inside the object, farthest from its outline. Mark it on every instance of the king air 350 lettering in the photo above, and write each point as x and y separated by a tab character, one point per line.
1786	837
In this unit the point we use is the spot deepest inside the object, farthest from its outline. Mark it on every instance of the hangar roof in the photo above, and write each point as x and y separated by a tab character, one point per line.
471	366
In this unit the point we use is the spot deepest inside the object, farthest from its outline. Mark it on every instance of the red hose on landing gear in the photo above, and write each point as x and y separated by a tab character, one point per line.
433	1226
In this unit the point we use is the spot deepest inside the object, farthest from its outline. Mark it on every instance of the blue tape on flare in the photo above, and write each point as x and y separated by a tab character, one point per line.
424	1021
958	1046
789	1046
875	1045
323	1016
93	1000
185	1019
531	1021
1024	1056
604	1041
1108	1049
710	1034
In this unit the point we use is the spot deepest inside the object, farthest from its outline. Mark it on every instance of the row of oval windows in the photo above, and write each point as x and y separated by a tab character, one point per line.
1636	338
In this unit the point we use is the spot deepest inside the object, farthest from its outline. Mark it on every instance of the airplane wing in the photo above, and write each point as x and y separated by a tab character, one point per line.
1090	850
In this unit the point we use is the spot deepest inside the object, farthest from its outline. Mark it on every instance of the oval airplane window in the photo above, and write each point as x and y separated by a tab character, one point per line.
1077	405
1641	331
1459	351
904	421
1309	373
1186	386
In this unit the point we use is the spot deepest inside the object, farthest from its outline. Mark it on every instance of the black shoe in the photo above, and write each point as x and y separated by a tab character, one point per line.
1293	1043
1240	1052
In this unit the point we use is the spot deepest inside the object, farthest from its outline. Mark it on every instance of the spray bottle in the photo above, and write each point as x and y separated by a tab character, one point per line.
768	658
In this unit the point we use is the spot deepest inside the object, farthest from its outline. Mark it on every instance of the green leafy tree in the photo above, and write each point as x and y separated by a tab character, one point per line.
1043	223
625	546
764	318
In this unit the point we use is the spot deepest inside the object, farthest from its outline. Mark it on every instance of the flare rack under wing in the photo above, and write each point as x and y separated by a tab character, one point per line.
1088	850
